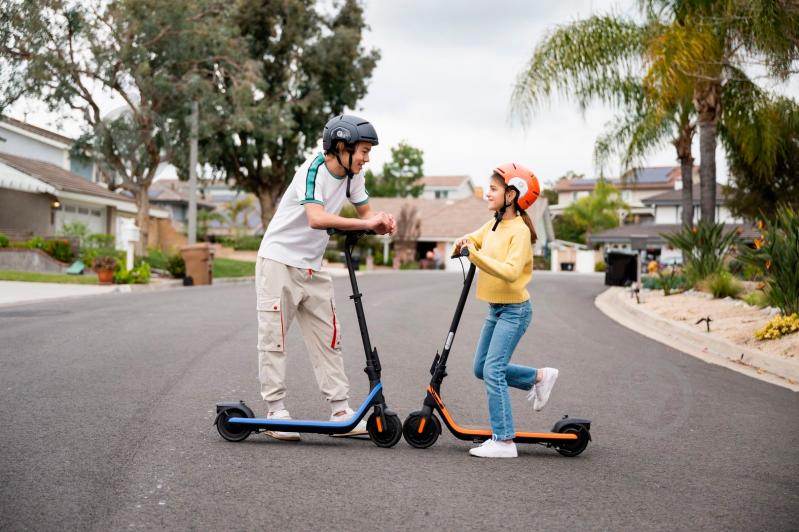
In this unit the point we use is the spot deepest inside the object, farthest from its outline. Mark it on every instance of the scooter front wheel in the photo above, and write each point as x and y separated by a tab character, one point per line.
384	436
424	438
229	431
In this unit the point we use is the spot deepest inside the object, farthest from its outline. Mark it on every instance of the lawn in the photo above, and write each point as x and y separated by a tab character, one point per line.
233	268
34	277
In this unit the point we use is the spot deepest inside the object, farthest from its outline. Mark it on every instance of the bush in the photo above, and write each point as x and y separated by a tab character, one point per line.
247	243
3	241
756	299
104	262
100	241
704	248
58	249
176	266
36	242
77	229
138	275
778	326
410	265
777	254
670	279
599	266
541	262
724	284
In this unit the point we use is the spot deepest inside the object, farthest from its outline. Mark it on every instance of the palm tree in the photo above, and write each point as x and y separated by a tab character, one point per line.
602	58
707	44
597	211
683	51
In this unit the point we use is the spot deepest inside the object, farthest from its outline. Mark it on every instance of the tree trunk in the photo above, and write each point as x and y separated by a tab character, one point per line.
267	201
687	172
708	107
142	219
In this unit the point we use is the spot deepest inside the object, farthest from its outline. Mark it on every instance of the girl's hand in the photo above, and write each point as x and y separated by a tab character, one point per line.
463	242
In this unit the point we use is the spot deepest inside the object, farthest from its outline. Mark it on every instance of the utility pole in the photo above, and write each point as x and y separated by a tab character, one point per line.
193	173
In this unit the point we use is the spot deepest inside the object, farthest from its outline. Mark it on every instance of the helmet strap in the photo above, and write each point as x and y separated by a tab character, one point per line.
347	169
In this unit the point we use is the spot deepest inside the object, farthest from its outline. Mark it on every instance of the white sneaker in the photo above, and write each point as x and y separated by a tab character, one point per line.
494	449
359	429
279	435
544	387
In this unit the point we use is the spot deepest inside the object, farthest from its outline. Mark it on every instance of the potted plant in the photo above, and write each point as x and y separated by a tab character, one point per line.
105	265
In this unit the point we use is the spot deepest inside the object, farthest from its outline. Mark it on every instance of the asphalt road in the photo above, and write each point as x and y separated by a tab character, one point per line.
109	404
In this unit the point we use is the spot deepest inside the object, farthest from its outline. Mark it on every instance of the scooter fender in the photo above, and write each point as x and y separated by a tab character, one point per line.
221	407
561	424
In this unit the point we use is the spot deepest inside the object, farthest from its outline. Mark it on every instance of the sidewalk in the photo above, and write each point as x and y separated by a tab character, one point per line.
617	304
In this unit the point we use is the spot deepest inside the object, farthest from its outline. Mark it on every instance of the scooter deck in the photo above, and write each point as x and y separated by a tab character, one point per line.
307	425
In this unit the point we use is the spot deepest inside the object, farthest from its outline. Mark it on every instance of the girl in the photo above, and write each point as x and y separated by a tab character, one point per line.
502	250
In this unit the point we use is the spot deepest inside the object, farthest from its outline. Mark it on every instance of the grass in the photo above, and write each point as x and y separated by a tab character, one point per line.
33	277
233	268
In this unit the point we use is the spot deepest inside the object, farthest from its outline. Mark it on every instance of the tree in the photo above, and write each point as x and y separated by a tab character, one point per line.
764	173
204	219
684	51
238	212
597	211
312	66
604	58
710	44
151	57
401	175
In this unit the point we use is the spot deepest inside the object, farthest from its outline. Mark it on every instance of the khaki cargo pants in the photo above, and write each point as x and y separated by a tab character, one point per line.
283	293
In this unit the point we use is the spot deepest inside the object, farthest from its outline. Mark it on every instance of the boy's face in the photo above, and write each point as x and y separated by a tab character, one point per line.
360	157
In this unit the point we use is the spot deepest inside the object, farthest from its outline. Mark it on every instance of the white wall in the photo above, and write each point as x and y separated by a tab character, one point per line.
23	146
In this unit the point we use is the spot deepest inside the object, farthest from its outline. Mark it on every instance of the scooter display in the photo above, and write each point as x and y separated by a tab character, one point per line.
235	421
421	429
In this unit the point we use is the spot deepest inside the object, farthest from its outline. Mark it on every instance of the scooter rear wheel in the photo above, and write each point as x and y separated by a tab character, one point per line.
390	434
428	435
229	431
574	447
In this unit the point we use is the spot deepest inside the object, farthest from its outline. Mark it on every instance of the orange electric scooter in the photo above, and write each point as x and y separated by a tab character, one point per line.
569	436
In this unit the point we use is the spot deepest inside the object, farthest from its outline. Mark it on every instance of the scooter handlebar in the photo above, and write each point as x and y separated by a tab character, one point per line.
464	253
360	232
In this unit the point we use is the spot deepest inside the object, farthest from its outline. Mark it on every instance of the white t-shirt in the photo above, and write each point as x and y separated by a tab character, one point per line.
288	238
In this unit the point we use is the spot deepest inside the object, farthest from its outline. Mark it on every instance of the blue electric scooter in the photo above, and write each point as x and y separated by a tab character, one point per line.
235	421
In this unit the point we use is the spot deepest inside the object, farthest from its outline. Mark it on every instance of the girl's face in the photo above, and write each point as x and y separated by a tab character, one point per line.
496	195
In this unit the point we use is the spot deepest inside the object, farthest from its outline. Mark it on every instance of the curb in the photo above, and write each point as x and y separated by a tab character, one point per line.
751	362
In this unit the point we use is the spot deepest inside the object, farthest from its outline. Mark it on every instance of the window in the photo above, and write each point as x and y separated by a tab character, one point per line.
442	194
96	212
83	210
69	208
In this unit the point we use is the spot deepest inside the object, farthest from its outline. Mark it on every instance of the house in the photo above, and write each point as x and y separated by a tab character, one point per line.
447	187
667	216
172	195
443	222
635	186
42	188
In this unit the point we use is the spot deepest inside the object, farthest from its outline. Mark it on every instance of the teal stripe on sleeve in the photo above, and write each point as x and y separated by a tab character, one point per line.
310	179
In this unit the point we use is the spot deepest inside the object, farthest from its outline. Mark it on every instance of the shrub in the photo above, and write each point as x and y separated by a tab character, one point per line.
671	279
76	229
176	266
704	248
36	242
756	299
58	249
100	241
541	262
138	275
3	241
778	326
777	254
247	243
723	284
599	266
410	265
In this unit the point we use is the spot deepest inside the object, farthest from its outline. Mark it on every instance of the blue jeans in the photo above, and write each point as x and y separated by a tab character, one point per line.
502	330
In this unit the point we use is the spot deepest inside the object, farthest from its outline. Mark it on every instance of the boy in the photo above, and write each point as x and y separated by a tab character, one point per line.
288	279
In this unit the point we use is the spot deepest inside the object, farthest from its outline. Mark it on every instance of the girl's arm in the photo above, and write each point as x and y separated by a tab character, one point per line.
511	268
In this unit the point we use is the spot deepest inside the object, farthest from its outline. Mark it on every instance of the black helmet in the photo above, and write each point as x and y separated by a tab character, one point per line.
349	129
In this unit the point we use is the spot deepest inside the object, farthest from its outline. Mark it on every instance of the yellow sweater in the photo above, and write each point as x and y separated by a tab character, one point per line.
505	260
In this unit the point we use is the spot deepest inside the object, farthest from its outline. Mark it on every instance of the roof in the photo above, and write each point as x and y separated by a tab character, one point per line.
174	191
443	220
59	178
651	177
674	197
448	181
652	232
37	130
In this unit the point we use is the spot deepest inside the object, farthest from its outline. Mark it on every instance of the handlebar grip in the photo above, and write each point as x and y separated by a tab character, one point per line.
464	253
333	231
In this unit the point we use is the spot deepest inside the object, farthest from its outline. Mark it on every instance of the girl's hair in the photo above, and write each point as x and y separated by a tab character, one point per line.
525	217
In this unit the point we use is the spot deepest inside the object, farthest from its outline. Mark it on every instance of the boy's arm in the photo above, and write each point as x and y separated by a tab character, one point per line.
511	268
319	218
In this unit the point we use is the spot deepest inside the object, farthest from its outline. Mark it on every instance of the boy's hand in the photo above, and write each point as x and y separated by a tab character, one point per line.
382	223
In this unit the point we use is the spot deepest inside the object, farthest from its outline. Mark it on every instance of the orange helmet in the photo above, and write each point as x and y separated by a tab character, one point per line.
523	180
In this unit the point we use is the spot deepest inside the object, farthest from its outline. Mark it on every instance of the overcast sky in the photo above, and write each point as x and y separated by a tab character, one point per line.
444	81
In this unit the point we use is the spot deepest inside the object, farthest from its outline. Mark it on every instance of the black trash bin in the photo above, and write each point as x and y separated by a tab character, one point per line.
621	270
